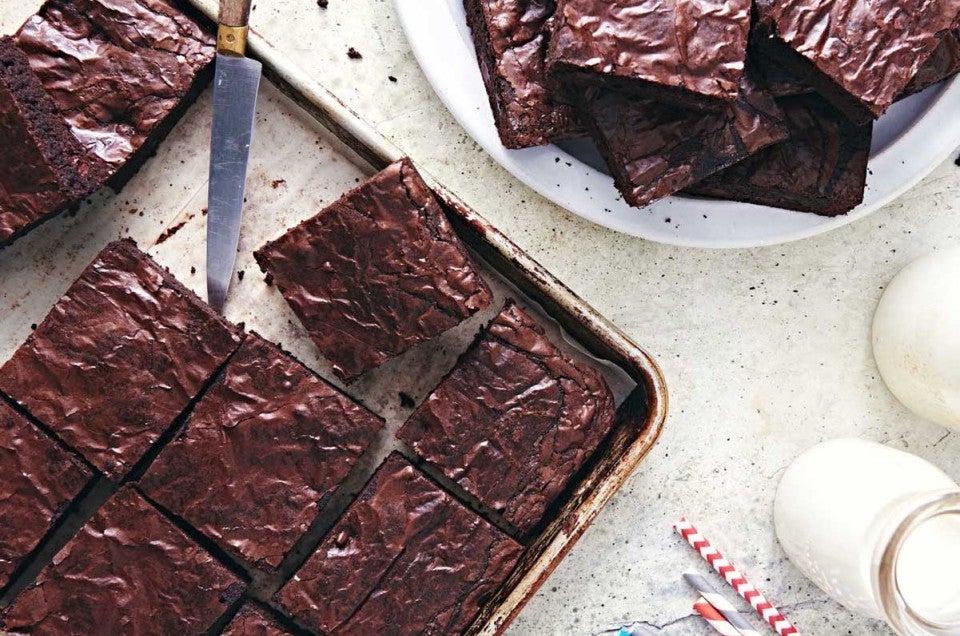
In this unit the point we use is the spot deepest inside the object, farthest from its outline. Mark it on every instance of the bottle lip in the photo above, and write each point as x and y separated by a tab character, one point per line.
903	618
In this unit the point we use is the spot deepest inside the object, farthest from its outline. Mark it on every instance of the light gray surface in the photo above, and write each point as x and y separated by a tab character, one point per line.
766	351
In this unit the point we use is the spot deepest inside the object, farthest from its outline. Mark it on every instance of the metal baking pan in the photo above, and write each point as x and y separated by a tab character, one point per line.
296	169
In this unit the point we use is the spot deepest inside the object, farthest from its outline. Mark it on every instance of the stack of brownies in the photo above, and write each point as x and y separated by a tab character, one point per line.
227	462
762	101
88	88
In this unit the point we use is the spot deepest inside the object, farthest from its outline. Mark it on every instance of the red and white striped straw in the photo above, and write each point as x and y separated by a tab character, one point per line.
736	580
714	618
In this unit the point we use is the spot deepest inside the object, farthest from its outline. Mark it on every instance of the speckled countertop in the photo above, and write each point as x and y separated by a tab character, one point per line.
766	351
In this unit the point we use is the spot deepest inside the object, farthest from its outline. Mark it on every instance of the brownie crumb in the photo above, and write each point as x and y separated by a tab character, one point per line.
406	401
276	183
956	161
33	326
193	270
240	275
392	78
354	54
323	4
170	231
203	211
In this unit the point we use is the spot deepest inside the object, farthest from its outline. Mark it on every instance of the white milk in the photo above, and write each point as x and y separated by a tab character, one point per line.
837	511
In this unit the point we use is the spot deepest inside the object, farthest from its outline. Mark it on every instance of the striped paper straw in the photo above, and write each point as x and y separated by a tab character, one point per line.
714	618
736	580
721	604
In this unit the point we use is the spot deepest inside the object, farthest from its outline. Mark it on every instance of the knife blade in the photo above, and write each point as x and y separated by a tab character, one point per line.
235	84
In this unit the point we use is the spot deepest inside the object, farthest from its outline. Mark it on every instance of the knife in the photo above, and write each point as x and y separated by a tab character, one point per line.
235	83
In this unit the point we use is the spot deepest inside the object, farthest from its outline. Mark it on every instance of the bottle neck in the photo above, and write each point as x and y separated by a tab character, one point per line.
916	581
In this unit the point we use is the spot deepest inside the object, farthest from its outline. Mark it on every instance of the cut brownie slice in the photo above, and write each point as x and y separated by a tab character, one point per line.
44	169
377	272
121	71
687	52
39	480
405	558
128	571
514	420
253	620
654	150
820	168
511	38
848	50
262	449
942	63
118	358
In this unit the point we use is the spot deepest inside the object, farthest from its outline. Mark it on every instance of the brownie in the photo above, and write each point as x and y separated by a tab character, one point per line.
820	168
514	419
44	168
128	571
121	71
39	481
264	446
253	620
689	53
405	558
848	51
377	272
118	358
654	149
511	38
942	63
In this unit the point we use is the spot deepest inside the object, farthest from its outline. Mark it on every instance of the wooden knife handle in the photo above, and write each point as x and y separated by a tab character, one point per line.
235	13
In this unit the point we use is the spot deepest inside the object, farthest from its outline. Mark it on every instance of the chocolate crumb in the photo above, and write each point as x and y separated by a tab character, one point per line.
354	54
170	231
406	401
956	161
276	183
323	4
392	78
33	327
193	270
240	275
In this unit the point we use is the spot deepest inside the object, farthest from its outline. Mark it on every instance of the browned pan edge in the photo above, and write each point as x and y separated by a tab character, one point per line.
641	417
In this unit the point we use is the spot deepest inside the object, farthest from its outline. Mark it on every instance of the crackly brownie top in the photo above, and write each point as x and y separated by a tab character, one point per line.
39	480
405	558
511	38
820	168
942	63
377	272
654	149
128	571
252	620
699	46
262	448
115	68
118	358
514	419
869	48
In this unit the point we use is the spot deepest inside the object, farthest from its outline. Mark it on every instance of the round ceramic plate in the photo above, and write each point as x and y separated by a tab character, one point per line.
914	137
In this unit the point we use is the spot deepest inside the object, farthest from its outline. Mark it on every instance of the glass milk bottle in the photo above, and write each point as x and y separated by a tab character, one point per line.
878	530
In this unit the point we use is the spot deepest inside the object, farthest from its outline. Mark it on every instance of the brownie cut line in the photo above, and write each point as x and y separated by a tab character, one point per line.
821	168
688	53
259	454
118	358
39	482
128	571
510	37
405	558
377	272
514	420
653	149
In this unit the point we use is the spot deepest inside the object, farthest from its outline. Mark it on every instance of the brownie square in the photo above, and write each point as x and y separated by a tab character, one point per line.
511	38
128	571
848	51
653	149
39	481
121	71
264	446
514	420
44	168
118	358
820	168
375	273
253	620
942	63
405	558
689	53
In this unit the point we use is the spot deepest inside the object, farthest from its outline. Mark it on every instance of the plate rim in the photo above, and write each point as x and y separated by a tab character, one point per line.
933	130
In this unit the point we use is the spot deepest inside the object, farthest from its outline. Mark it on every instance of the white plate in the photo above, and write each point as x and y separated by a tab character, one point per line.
914	137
